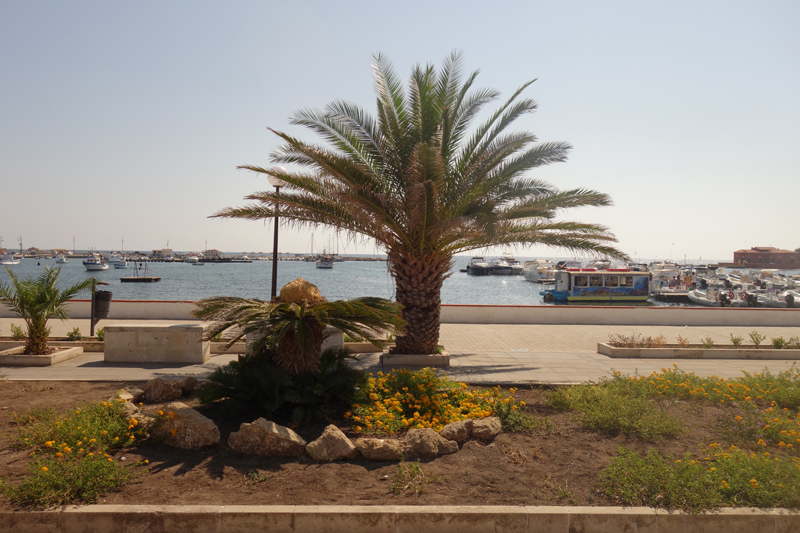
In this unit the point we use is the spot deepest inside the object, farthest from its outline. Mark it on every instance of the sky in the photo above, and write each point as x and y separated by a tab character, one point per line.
125	121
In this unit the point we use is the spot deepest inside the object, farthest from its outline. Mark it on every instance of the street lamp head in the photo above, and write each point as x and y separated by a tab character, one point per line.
276	182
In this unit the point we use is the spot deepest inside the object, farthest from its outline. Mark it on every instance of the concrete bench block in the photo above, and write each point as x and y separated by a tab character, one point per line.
134	343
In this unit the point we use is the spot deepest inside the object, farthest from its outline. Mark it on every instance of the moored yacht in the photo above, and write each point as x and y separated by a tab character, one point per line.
93	263
477	266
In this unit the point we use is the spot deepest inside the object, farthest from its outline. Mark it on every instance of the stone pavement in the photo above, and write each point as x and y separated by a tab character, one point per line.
479	353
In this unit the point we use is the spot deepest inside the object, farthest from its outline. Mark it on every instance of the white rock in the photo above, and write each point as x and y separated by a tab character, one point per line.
486	428
188	429
333	445
263	437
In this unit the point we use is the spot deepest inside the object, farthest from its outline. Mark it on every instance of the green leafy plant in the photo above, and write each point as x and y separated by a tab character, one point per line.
294	324
613	407
74	335
71	460
778	343
17	332
756	337
707	342
256	381
636	340
736	341
682	341
101	334
793	343
411	478
38	300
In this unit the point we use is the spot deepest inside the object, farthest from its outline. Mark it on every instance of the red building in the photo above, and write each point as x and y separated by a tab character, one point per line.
765	257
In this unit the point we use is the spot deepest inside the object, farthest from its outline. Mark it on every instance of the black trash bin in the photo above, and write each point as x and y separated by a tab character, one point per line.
102	304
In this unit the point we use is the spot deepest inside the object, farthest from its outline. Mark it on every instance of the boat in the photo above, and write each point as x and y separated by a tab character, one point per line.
142	277
114	258
499	267
539	270
94	263
60	259
8	259
589	285
516	266
192	259
477	266
121	264
599	264
324	260
715	298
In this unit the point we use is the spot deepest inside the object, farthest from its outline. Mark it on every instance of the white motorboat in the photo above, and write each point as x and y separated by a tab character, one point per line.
516	266
599	264
61	259
539	270
477	266
121	264
114	258
715	298
192	259
324	260
94	263
499	267
8	259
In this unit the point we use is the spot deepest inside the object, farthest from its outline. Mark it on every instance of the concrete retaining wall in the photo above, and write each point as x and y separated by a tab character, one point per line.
503	314
393	519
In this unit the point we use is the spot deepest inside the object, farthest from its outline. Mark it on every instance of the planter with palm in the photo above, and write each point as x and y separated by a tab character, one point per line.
38	300
426	184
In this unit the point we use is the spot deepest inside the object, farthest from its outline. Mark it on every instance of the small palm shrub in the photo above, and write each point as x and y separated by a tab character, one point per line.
17	332
74	335
38	300
294	323
256	381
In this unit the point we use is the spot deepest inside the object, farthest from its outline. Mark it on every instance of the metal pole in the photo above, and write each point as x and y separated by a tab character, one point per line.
275	249
91	319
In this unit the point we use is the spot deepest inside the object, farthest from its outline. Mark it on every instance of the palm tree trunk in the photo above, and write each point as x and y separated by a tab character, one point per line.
418	289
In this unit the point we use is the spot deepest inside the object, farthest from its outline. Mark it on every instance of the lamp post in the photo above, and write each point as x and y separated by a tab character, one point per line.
277	183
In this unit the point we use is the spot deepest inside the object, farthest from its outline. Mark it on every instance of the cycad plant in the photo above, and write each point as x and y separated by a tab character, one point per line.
425	183
294	323
38	300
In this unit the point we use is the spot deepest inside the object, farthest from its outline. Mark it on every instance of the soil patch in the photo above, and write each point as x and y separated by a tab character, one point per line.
515	469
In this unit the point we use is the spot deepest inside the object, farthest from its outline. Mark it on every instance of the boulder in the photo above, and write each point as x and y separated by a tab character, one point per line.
333	445
263	437
131	394
457	431
187	385
486	428
187	429
427	443
380	449
160	390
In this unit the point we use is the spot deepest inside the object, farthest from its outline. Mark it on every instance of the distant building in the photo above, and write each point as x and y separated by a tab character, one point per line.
765	257
213	254
161	254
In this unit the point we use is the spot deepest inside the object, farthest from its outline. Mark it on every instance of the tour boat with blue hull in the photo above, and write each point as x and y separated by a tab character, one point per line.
590	285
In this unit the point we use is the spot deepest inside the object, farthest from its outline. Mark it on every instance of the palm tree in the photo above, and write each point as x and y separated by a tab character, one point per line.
296	326
425	184
38	300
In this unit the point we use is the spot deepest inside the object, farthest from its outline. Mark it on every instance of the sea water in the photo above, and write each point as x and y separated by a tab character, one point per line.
346	280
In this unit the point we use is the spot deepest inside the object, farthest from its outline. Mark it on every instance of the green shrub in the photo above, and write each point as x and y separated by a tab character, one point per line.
54	481
756	337
613	408
254	381
724	478
707	342
101	334
17	332
636	341
71	463
793	343
736	341
74	335
778	343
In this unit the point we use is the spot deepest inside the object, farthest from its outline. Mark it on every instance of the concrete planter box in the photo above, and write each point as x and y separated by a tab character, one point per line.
177	344
15	357
695	352
91	345
403	360
364	347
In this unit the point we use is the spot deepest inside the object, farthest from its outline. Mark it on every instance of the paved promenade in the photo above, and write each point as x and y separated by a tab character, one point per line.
485	354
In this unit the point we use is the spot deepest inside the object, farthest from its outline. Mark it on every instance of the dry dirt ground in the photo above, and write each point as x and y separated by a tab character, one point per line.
515	469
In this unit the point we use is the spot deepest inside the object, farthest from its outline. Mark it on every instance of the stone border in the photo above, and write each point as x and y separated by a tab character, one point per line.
87	345
697	353
15	357
393	519
400	360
